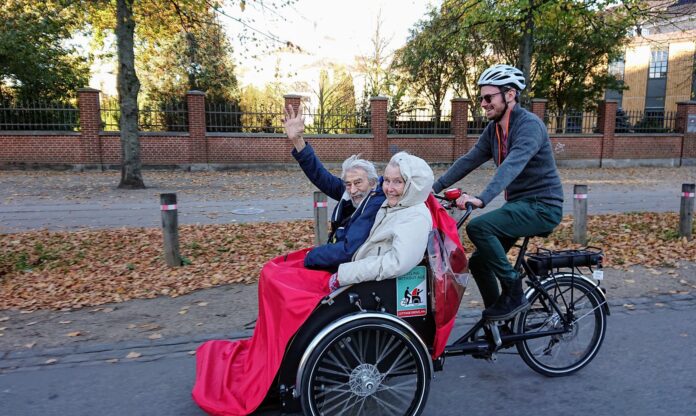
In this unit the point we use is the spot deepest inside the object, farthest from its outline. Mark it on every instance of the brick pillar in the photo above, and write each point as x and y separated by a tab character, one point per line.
380	143
294	100
90	125
606	125
539	107
198	145
460	115
687	126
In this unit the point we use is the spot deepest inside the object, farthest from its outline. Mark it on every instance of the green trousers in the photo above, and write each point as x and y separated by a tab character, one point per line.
495	232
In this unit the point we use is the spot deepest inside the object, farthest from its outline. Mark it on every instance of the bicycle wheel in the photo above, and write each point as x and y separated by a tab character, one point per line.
366	367
581	307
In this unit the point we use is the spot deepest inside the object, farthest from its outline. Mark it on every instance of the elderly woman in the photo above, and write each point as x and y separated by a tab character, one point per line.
399	235
233	377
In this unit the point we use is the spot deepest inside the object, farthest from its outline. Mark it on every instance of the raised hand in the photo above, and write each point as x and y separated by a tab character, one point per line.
294	126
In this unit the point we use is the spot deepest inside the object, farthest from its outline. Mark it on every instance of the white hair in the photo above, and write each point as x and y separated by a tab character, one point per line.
355	162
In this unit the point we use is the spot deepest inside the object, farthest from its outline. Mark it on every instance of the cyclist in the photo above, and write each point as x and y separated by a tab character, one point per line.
519	145
358	192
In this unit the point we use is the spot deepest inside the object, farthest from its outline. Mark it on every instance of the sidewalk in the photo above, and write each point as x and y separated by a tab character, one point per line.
67	200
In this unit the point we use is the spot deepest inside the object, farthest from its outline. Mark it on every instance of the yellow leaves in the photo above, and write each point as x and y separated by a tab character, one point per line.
132	355
74	334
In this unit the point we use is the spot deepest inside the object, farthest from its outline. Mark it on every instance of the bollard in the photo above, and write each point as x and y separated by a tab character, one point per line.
170	229
686	210
321	218
580	214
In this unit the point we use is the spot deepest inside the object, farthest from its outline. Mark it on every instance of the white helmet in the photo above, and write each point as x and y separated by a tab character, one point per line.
503	75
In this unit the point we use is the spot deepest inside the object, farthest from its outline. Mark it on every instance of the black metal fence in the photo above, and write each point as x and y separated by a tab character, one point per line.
45	116
164	116
229	117
337	122
419	121
571	122
648	121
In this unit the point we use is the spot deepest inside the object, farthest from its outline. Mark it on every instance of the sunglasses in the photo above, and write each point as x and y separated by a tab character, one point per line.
488	97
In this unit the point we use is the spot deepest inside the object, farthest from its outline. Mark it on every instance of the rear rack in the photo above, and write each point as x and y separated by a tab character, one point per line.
544	261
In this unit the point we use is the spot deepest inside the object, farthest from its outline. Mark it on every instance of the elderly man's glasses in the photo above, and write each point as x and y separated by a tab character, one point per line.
488	97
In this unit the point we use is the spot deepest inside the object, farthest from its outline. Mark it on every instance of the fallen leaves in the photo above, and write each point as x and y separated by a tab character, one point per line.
74	334
132	355
70	270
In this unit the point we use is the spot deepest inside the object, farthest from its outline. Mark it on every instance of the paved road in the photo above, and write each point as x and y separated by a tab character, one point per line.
645	367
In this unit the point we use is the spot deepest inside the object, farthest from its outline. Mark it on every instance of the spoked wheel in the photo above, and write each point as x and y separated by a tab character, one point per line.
366	367
582	316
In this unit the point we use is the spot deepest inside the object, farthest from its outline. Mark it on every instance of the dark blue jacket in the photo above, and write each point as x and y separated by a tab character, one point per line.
349	226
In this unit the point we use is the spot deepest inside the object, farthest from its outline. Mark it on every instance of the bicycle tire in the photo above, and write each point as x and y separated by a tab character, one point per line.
366	367
561	355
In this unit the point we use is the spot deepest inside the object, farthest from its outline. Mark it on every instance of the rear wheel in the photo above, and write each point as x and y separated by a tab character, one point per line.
582	316
366	367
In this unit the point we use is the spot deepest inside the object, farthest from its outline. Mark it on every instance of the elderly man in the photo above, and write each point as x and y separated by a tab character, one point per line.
357	191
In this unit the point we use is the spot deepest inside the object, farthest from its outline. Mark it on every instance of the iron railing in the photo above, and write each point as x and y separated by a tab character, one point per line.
51	116
648	121
232	118
337	122
419	121
571	122
163	116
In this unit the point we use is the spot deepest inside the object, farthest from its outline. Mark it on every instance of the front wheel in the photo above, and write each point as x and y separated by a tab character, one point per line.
366	367
582	317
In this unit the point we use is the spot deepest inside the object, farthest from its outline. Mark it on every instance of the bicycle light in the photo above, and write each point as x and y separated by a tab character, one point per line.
452	194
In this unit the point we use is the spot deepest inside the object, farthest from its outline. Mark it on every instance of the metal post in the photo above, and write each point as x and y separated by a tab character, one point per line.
686	210
321	219
170	231
580	214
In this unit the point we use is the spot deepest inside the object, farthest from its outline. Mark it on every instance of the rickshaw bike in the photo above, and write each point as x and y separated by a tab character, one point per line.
356	355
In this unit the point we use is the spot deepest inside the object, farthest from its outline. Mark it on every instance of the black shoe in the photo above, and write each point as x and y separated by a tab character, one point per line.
509	304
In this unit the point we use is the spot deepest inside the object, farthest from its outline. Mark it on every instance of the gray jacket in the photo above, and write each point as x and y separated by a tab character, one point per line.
529	170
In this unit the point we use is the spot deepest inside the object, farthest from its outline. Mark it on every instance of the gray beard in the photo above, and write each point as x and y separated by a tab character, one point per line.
356	205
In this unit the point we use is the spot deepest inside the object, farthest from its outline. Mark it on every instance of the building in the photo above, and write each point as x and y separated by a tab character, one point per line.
659	66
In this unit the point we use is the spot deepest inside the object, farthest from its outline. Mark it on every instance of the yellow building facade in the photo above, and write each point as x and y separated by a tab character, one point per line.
659	65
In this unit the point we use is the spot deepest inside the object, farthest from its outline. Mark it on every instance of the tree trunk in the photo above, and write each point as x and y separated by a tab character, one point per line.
128	87
526	53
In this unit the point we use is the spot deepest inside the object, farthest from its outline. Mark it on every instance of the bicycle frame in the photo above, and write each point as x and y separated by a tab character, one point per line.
468	343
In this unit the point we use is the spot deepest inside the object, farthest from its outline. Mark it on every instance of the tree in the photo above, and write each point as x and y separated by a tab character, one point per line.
149	19
379	77
425	64
35	60
335	98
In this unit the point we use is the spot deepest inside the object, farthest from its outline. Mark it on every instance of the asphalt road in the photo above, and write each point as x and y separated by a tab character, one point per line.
646	367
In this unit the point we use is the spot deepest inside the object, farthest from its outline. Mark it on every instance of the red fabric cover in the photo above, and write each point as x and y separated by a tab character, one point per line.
447	293
233	377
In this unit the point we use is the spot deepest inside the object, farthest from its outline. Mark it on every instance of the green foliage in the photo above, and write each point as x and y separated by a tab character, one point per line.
35	60
565	43
425	62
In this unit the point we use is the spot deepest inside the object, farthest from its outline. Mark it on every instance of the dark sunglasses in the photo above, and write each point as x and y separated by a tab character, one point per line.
489	97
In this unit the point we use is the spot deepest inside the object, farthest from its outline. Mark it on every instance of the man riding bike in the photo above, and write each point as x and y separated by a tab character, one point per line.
519	145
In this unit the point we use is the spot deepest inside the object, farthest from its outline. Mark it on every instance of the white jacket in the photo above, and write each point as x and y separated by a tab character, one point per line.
399	236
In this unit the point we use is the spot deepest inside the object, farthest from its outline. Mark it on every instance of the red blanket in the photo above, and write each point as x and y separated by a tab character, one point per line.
233	377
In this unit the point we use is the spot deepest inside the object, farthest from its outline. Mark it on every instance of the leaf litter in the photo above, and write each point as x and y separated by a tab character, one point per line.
71	270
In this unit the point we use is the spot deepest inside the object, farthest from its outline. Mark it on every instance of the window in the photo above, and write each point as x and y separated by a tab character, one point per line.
616	68
658	63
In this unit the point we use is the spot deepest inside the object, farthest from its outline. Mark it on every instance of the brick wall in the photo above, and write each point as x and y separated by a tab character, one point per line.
95	148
